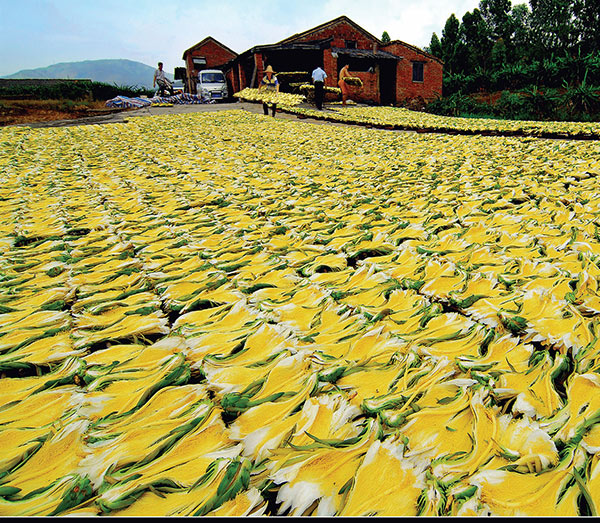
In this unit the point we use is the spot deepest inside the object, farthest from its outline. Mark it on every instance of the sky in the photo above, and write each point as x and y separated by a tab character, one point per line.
39	33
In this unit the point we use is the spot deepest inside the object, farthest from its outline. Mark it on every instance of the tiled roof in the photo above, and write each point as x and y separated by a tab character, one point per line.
206	40
364	53
333	22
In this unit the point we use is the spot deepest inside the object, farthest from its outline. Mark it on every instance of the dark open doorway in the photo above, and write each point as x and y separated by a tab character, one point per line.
387	82
293	60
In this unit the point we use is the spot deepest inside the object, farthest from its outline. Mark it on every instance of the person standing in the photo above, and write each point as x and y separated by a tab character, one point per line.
344	73
318	78
269	83
160	78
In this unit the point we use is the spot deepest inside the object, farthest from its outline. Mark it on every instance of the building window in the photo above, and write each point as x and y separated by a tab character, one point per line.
350	44
417	71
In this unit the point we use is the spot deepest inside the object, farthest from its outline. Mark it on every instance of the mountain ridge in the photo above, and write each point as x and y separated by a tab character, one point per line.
119	71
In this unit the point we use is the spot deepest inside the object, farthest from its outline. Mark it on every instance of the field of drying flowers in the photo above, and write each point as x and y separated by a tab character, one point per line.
227	314
400	118
396	118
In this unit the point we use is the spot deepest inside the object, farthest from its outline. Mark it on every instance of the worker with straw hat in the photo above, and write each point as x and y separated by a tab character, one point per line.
269	83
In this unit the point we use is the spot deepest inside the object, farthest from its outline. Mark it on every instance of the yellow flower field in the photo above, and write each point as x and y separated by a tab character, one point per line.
228	314
400	118
405	119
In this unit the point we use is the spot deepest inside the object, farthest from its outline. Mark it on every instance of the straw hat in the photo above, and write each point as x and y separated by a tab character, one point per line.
269	69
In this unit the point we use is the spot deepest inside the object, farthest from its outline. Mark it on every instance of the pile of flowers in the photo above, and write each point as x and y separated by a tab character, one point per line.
263	96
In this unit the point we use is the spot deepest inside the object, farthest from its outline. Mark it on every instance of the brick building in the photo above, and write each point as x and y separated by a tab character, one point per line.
418	73
393	73
207	54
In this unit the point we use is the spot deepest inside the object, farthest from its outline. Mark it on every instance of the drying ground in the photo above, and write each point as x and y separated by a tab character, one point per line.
223	313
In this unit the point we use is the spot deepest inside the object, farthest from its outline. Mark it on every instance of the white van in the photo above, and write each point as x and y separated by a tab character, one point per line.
212	85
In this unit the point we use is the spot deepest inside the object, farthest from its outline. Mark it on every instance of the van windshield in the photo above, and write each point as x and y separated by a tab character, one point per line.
213	78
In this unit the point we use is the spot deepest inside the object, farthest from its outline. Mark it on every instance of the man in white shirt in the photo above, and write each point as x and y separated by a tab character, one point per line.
318	78
163	82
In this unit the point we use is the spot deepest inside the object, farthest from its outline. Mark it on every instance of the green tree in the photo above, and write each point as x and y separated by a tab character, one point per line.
586	22
499	55
452	46
385	38
476	40
552	27
435	46
521	38
496	14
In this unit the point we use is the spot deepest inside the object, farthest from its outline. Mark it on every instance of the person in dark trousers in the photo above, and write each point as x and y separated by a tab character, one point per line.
161	79
318	78
269	83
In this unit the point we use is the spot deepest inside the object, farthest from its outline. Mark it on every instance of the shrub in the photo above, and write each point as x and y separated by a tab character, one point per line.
458	104
78	90
581	101
593	68
512	106
48	91
455	83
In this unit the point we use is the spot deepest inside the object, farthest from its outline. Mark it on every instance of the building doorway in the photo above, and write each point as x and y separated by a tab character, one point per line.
387	82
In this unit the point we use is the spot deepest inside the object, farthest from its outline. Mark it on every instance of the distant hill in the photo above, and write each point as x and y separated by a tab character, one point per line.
117	71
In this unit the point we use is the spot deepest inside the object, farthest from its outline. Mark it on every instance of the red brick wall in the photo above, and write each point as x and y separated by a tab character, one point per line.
236	78
233	79
341	32
369	92
370	89
406	90
260	66
215	56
